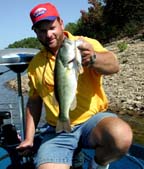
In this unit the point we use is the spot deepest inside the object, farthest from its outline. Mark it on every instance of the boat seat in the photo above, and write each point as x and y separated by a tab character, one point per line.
5	115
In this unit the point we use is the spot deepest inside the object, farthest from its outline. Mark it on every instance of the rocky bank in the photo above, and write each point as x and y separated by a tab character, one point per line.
126	89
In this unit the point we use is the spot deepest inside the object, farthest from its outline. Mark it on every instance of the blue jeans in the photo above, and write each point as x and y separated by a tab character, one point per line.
61	147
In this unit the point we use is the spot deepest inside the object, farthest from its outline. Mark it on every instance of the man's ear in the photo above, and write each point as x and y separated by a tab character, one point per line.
61	22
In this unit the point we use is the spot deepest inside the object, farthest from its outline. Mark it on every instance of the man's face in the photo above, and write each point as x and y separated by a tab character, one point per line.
50	33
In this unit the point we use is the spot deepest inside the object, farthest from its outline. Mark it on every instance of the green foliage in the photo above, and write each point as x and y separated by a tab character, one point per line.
111	19
122	46
127	16
120	12
130	28
71	27
26	43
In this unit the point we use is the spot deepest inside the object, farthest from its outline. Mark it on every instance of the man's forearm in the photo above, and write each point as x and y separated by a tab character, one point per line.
105	63
33	114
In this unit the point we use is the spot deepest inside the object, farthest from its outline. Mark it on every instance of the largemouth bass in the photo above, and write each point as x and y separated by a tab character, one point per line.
67	68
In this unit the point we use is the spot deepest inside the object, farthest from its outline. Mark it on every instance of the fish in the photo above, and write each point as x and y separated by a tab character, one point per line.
68	66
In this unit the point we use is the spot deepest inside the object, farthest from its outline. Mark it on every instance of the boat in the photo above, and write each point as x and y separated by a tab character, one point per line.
134	159
17	60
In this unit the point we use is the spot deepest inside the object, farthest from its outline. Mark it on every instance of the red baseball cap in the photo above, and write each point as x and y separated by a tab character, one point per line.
45	11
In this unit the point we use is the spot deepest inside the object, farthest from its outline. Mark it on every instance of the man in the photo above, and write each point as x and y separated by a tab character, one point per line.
92	126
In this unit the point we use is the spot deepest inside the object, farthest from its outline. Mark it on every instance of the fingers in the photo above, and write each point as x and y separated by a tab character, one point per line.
24	144
84	45
24	149
85	60
87	51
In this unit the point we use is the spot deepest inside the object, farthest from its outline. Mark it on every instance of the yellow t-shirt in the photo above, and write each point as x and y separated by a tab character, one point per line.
90	94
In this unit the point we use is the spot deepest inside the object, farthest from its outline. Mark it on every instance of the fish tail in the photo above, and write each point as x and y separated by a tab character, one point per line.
63	126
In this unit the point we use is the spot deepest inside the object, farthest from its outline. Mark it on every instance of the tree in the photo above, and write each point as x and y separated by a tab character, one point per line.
111	19
26	43
125	15
71	27
90	22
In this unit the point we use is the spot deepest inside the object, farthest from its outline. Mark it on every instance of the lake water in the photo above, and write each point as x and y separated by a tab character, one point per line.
9	99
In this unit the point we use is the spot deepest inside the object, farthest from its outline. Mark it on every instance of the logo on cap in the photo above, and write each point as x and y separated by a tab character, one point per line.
39	12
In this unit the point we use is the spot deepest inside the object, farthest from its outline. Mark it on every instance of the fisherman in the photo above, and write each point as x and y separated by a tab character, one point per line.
92	126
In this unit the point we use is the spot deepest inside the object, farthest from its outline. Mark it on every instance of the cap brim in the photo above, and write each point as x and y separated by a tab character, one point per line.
50	18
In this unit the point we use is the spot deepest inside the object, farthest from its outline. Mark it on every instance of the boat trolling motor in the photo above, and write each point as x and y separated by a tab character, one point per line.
17	60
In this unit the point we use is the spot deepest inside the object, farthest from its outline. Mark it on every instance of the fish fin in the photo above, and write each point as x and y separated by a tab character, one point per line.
63	126
78	56
73	104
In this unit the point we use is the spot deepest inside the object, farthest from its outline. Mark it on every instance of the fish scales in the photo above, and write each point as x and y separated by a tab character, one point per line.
67	68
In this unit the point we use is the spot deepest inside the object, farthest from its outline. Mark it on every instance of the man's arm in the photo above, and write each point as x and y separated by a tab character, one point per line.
104	63
33	114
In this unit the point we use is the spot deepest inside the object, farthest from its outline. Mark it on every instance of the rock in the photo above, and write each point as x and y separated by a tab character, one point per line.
12	84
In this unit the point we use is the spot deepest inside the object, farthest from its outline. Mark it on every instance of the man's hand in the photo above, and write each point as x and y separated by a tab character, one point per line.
104	62
25	148
87	52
